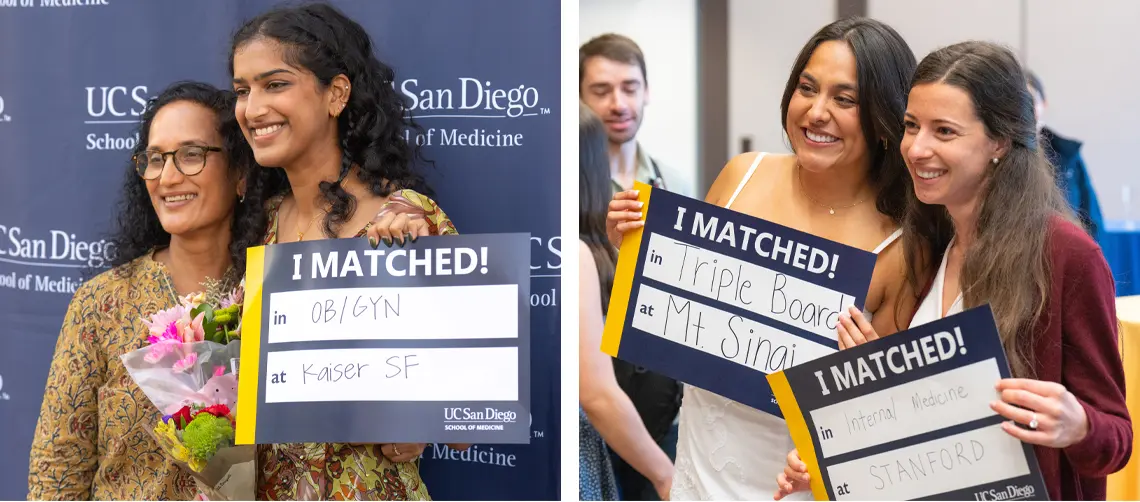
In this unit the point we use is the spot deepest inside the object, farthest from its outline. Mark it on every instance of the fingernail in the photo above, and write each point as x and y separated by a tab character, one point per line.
414	237
388	241
373	242
640	205
636	192
408	237
401	242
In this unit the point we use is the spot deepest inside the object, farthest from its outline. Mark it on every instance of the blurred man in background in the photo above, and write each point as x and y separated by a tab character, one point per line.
612	81
1071	173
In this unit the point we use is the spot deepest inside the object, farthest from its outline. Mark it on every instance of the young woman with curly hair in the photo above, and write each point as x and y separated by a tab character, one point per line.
323	119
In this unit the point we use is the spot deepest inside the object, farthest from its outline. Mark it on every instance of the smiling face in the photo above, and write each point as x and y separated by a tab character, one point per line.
823	112
283	110
204	201
946	146
617	93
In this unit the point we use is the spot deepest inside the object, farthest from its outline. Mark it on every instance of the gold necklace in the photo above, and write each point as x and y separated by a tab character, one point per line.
301	232
830	209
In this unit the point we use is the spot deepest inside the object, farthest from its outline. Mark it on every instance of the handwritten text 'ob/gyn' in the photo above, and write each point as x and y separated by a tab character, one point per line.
397	263
766	245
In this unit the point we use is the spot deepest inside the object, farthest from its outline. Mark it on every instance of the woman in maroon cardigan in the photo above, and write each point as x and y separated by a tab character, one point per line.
986	224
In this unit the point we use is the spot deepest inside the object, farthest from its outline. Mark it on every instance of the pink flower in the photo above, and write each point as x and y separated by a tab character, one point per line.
186	363
163	344
234	298
161	320
191	329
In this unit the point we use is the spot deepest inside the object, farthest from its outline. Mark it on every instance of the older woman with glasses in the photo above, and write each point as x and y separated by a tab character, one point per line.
181	219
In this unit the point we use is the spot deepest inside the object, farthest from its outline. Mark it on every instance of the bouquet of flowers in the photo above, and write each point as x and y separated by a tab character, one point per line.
189	371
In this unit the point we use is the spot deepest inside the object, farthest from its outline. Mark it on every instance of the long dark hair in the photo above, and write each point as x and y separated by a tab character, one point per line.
594	193
138	230
1007	265
321	39
884	65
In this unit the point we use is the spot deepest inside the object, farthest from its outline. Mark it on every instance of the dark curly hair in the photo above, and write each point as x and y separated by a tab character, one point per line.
321	39
138	230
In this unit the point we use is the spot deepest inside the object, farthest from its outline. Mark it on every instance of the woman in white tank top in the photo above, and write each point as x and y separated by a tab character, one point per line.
844	183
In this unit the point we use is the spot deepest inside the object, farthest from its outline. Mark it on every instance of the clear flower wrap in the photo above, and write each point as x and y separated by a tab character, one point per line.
189	372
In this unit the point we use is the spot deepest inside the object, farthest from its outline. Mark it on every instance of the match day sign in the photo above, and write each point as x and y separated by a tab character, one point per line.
908	417
428	343
719	299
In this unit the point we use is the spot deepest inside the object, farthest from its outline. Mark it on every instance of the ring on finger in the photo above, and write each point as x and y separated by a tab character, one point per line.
1033	422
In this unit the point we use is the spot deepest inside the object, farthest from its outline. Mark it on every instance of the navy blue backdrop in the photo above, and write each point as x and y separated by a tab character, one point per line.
74	75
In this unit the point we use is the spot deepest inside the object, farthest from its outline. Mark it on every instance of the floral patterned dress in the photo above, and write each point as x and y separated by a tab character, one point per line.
338	471
91	441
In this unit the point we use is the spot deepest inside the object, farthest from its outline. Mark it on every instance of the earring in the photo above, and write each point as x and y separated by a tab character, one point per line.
241	199
884	143
995	161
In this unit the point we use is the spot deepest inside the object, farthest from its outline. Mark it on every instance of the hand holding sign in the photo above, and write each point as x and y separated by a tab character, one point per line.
854	329
795	477
1054	416
624	216
403	452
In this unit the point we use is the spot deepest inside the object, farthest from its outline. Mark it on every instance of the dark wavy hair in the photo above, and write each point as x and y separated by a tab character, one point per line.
884	65
594	194
322	40
1007	266
137	230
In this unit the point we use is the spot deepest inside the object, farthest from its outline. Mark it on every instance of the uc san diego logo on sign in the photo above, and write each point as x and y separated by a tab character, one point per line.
498	110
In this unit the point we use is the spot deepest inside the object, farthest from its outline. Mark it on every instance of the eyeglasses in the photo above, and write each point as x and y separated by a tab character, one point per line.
188	160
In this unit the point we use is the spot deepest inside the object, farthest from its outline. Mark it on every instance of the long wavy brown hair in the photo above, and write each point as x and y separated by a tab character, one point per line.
1008	265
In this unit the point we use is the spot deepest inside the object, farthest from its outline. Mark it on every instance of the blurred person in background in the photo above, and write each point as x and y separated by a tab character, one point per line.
1070	172
606	414
613	83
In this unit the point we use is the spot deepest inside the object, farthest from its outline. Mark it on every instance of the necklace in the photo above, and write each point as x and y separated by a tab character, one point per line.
830	209
301	232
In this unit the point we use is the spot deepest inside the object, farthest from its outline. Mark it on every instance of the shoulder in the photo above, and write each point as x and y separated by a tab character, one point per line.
274	203
102	293
1071	249
1067	238
737	168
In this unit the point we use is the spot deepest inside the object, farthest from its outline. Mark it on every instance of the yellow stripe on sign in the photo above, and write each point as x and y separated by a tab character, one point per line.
250	365
797	426
623	277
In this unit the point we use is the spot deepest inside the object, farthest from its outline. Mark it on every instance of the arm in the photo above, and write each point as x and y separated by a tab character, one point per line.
897	305
609	409
1091	368
64	456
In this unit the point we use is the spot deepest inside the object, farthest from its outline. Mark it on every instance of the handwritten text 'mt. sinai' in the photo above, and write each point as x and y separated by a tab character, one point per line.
395	263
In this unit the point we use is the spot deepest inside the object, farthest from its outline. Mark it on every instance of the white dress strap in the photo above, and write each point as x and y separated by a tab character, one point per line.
888	241
744	180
